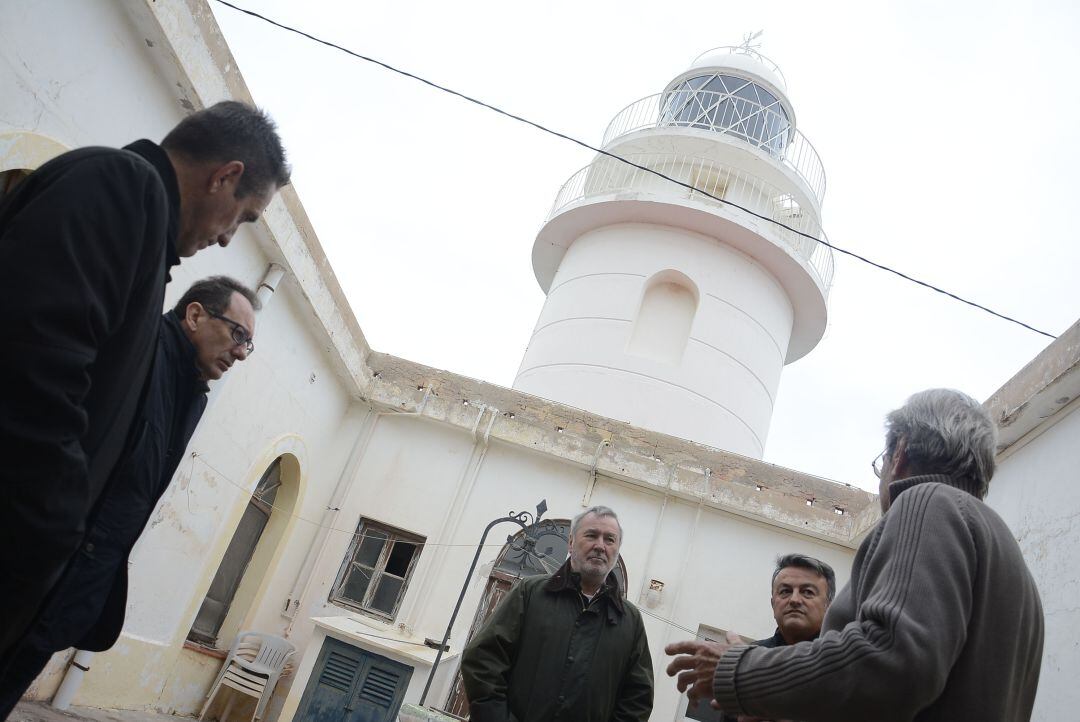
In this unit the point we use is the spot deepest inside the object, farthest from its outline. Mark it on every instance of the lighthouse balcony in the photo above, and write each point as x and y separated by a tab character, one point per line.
712	186
742	113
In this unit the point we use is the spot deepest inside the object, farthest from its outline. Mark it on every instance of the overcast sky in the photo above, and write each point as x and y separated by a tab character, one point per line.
947	131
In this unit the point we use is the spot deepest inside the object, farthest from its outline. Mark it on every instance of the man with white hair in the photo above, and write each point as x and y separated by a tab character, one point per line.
565	646
941	619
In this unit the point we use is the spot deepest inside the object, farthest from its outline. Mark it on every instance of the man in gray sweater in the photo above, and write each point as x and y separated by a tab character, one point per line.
941	619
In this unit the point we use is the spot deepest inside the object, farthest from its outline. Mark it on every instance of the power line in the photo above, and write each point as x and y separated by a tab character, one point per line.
631	163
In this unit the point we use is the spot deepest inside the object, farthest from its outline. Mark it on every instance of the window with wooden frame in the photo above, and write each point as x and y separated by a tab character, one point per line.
377	569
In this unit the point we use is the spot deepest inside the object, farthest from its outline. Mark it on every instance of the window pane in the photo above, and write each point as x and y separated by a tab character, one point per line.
387	594
371	547
356	583
400	556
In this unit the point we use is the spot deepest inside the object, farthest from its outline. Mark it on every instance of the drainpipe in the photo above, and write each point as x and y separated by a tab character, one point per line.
302	582
586	499
269	283
645	578
466	482
318	544
80	665
690	544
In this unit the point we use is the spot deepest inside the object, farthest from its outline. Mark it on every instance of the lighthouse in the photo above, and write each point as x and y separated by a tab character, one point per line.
675	304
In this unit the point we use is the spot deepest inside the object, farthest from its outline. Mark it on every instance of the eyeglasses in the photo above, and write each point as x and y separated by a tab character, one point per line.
239	333
878	464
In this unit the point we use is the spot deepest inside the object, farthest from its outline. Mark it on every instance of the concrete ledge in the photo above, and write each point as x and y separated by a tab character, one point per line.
416	713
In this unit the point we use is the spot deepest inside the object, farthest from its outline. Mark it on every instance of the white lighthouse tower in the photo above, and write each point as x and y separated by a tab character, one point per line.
669	309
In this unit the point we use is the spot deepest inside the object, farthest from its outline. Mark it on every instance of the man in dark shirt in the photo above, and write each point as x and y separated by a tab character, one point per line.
86	244
210	328
802	588
941	619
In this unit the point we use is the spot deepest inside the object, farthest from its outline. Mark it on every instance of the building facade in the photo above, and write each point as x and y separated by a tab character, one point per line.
673	263
334	495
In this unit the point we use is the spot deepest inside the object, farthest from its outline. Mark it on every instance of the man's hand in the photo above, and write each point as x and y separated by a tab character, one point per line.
695	664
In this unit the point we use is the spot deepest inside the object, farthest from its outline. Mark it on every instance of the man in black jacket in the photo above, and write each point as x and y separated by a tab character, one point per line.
86	243
802	588
210	328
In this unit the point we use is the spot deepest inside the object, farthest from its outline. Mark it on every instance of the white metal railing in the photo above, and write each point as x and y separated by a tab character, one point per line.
763	127
744	50
608	175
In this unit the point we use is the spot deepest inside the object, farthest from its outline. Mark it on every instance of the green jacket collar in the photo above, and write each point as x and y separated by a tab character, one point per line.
567	579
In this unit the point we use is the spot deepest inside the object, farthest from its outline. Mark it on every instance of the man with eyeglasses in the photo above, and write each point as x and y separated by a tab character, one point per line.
210	328
941	619
87	242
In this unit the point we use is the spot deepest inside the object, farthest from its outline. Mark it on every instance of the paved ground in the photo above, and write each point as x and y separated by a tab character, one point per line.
38	712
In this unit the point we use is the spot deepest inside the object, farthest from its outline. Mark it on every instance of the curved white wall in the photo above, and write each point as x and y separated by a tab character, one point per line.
588	348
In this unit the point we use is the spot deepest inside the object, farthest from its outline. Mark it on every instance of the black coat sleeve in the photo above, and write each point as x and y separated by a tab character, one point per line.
73	245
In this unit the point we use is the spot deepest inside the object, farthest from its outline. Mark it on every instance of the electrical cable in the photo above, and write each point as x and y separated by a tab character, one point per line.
631	163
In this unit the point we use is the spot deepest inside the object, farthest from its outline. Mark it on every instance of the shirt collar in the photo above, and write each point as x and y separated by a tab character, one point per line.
171	326
566	578
156	156
962	483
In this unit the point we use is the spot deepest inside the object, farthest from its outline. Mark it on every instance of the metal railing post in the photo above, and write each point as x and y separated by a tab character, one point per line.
522	520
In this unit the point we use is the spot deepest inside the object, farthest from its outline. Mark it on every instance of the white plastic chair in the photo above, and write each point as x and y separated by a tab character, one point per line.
253	667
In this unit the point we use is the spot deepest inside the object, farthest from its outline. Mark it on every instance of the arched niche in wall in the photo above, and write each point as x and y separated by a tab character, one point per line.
251	556
22	152
665	316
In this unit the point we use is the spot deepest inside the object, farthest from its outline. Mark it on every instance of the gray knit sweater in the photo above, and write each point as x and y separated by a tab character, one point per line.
941	621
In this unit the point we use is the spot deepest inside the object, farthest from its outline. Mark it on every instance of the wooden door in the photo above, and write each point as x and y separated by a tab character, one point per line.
349	684
497	587
512	564
215	605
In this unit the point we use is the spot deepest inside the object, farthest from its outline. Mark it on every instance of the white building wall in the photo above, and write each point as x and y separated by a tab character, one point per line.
1035	490
105	85
720	389
110	82
716	567
41	92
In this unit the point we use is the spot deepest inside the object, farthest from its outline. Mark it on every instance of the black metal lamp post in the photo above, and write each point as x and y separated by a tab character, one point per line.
530	525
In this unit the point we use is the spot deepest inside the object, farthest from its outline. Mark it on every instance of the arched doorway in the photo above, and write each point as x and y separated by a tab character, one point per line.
248	556
515	562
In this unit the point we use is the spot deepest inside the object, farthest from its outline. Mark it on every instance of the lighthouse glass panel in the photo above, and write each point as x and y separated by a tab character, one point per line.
730	105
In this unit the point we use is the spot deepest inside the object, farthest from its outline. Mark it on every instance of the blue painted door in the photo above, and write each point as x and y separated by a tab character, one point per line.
350	684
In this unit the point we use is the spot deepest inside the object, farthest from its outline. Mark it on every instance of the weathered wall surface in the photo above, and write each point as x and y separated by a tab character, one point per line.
1036	491
444	484
368	435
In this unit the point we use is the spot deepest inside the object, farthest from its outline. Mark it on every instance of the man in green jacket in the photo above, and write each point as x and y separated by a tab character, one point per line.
566	646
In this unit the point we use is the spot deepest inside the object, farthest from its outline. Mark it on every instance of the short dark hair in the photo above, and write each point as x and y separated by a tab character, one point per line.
802	561
944	432
231	130
215	294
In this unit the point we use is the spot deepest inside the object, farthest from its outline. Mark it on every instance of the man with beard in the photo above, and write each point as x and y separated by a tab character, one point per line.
565	646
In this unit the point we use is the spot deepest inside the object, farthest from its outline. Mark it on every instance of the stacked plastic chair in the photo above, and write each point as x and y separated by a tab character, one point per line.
253	667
